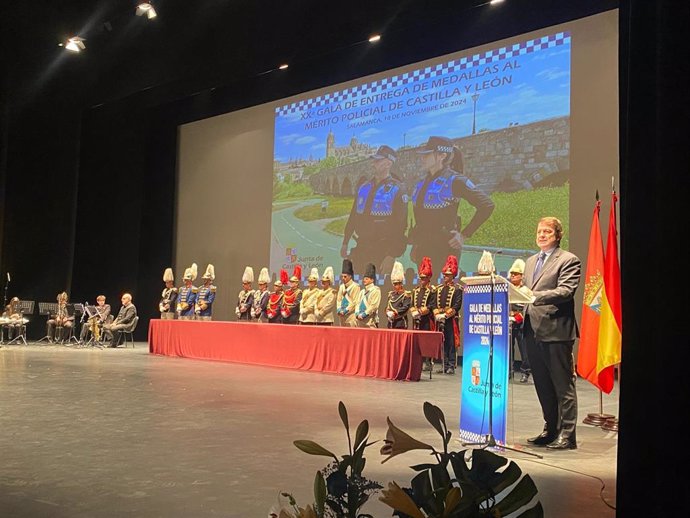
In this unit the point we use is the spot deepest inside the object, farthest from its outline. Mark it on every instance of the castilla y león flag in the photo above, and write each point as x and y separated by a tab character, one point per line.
600	337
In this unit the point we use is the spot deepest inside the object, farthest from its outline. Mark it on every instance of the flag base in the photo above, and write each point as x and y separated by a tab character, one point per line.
597	419
611	425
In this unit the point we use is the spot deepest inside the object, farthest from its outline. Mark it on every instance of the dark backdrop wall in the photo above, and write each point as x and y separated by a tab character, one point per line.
87	153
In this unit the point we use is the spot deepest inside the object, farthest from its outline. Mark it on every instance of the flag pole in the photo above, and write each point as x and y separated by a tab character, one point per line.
612	423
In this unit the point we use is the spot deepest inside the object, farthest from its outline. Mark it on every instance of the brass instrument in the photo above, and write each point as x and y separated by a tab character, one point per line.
95	327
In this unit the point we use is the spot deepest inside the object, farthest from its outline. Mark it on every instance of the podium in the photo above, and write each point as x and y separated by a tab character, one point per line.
484	390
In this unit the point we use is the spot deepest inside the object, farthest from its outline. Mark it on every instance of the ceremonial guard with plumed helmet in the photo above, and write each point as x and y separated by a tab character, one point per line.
446	311
275	300
310	295
369	299
292	299
245	299
259	310
399	300
169	296
206	295
186	298
423	303
326	301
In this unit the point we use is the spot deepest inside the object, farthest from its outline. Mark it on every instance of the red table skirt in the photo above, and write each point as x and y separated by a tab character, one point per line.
380	353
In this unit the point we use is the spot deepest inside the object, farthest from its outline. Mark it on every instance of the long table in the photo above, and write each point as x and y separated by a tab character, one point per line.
381	353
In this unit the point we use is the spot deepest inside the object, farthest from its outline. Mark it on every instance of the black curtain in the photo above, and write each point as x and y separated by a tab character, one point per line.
655	158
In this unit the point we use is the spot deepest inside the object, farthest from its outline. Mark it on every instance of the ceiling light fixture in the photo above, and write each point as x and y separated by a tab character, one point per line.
146	9
74	44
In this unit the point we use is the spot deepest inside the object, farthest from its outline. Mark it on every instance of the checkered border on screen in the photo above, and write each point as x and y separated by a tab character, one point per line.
422	74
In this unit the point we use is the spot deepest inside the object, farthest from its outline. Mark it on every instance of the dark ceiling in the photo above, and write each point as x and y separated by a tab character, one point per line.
197	45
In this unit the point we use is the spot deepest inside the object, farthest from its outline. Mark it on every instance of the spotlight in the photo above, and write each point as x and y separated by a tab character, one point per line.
74	44
494	2
283	66
374	38
146	9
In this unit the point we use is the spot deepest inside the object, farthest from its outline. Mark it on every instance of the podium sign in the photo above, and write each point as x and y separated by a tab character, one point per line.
477	335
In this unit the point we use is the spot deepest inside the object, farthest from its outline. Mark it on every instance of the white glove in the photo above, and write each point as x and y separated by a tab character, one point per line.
252	312
237	311
317	313
284	314
441	317
391	314
415	313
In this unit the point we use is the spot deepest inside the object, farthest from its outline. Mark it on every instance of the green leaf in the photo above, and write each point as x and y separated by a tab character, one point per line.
319	493
435	417
534	512
343	416
313	448
439	477
422	467
361	434
484	465
507	477
423	492
520	495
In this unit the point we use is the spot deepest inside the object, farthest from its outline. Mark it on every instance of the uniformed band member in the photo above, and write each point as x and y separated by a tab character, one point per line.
399	300
310	296
326	301
423	301
186	299
435	199
517	320
446	310
275	300
206	295
169	296
95	323
348	292
378	218
61	322
369	299
292	298
13	319
259	310
245	299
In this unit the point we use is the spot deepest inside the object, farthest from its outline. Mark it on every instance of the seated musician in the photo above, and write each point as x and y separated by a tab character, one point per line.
13	319
60	323
94	324
124	322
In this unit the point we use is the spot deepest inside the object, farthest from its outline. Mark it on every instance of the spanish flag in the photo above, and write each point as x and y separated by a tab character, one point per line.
600	336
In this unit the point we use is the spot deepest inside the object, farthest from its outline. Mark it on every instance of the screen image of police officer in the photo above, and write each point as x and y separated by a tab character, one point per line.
437	230
378	219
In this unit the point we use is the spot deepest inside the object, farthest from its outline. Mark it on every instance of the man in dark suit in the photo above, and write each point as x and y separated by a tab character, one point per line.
550	330
124	320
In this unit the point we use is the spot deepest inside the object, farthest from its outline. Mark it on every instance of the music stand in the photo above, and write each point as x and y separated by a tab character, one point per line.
47	309
92	312
489	440
73	310
26	307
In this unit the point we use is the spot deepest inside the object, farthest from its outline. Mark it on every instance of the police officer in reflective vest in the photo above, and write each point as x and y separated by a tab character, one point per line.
378	219
436	197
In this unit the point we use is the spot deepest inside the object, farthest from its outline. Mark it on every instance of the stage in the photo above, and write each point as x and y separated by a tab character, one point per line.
379	353
121	432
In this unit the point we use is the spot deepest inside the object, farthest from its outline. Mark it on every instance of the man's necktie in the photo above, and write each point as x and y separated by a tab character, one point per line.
540	264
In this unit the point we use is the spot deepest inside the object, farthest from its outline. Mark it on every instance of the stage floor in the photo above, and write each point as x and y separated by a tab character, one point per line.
120	432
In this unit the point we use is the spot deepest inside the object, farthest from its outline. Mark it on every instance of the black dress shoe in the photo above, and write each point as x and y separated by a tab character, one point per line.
542	439
561	443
